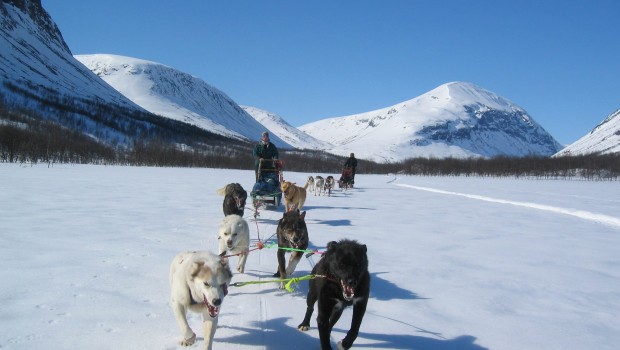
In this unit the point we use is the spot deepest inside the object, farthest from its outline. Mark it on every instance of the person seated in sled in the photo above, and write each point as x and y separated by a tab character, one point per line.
351	162
265	151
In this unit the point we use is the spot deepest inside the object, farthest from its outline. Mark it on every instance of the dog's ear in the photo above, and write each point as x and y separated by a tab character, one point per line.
364	248
302	216
196	268
332	245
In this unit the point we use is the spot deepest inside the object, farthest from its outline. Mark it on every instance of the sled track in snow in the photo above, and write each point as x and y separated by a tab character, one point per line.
582	214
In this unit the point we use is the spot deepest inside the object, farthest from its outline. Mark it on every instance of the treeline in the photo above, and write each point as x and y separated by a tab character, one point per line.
591	167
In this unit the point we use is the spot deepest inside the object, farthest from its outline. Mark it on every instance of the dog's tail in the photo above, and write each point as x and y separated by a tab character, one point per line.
221	191
306	185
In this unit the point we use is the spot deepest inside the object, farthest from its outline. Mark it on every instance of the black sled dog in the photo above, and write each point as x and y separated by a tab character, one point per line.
292	233
234	199
342	280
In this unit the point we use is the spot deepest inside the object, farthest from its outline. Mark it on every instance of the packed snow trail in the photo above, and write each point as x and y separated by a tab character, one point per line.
582	214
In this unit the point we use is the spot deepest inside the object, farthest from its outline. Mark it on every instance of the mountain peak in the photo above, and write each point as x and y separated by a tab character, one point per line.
465	93
456	119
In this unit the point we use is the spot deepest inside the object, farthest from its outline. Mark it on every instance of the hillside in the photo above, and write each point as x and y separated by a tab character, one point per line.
603	139
176	95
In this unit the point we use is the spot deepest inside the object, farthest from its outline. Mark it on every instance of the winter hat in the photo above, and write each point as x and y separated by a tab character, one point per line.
265	134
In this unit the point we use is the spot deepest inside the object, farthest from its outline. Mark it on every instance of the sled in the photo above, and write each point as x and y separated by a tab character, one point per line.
266	190
346	178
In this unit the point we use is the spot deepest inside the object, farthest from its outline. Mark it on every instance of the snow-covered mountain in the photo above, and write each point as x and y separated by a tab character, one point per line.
603	139
286	131
37	70
36	61
456	119
177	95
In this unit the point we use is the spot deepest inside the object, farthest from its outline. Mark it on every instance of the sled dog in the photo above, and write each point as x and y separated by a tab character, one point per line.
292	233
234	237
294	196
319	182
198	282
343	280
329	185
310	182
234	199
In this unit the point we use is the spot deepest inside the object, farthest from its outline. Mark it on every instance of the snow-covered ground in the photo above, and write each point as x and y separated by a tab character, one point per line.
456	263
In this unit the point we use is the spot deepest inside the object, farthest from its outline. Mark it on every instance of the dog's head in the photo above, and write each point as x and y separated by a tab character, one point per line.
348	263
238	194
232	230
210	278
329	181
285	185
292	229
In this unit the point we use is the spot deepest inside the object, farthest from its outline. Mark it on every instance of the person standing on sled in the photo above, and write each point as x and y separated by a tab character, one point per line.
351	163
264	150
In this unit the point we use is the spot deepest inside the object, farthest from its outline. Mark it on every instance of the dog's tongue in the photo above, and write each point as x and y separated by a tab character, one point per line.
213	310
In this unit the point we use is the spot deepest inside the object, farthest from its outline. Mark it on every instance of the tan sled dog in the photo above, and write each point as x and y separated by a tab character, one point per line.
198	282
294	196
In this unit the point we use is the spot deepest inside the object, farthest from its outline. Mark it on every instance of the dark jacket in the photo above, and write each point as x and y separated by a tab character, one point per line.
351	163
265	151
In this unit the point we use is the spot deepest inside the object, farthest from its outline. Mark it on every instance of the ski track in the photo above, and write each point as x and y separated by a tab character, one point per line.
582	214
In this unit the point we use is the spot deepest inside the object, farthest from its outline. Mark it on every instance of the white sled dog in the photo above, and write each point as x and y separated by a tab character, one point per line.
319	182
234	238
198	282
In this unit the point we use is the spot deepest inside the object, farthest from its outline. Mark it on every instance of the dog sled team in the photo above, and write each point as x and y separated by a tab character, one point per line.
199	280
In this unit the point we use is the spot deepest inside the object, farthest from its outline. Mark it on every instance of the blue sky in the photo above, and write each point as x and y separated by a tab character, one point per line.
310	60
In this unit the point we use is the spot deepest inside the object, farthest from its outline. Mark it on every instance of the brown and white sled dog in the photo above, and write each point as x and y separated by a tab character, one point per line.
294	196
292	233
198	282
343	281
234	238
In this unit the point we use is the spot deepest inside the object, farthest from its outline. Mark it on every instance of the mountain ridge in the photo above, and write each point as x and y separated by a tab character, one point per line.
456	119
168	92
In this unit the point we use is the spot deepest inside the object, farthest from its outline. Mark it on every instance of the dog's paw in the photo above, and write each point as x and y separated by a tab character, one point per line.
303	327
240	269
190	341
282	285
340	346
